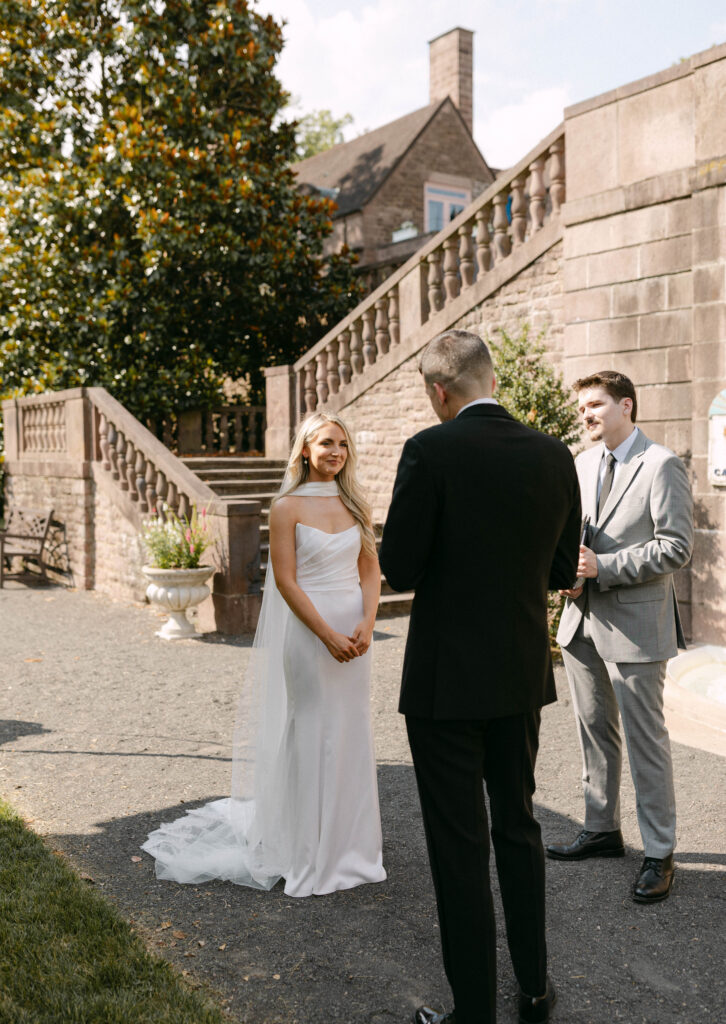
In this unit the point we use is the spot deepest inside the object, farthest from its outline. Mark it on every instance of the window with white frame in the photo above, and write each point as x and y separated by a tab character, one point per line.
441	204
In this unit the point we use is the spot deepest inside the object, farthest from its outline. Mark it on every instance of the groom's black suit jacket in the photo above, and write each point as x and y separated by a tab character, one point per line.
484	519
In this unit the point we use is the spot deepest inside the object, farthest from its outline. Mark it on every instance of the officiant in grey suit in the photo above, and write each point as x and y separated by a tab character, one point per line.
618	629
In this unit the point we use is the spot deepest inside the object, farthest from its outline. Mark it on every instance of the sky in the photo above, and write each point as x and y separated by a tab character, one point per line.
532	58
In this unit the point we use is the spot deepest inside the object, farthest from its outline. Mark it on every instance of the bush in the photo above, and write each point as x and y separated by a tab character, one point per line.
530	388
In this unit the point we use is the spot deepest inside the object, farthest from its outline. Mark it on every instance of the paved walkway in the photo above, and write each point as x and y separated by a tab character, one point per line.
105	731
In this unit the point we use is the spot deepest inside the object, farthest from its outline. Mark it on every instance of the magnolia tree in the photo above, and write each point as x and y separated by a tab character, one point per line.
152	239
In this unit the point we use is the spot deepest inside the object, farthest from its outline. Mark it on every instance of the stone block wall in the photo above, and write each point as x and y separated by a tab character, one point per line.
118	552
396	406
70	495
645	278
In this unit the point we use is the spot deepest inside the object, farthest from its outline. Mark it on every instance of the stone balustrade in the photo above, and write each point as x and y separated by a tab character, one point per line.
511	212
139	464
83	454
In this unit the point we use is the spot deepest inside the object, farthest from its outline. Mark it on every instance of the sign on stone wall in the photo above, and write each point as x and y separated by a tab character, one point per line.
717	441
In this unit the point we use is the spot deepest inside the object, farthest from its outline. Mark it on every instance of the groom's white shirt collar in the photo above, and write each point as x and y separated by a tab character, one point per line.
477	401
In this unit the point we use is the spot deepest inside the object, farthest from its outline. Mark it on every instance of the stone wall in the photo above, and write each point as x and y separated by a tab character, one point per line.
396	407
645	278
118	552
70	496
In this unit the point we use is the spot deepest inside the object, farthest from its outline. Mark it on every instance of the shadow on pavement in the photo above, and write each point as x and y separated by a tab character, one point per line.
371	954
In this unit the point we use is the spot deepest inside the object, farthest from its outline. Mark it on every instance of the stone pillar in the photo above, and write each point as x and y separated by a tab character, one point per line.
451	59
78	426
190	432
280	401
11	429
234	604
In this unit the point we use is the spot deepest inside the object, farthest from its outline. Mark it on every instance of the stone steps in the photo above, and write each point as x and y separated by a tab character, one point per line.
253	478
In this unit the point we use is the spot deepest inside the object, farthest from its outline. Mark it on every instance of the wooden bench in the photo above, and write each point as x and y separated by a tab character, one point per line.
25	535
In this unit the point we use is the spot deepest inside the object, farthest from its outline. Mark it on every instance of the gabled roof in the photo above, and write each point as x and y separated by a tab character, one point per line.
358	168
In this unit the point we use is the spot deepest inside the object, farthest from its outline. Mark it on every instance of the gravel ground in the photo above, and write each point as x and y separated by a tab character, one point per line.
105	731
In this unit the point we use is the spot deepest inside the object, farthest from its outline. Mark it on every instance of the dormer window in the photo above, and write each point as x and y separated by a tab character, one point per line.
442	204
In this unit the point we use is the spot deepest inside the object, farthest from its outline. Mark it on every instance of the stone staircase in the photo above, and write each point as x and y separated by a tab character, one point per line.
255	478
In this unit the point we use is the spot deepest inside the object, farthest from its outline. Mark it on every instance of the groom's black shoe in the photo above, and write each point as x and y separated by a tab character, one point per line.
537	1009
590	844
654	880
425	1015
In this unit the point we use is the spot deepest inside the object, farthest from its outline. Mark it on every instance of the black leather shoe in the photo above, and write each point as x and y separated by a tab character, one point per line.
655	880
425	1015
537	1009
590	844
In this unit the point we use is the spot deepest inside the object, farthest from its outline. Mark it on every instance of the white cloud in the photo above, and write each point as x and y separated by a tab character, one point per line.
507	133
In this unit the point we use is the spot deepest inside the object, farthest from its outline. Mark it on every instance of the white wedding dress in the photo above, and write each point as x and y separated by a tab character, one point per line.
304	803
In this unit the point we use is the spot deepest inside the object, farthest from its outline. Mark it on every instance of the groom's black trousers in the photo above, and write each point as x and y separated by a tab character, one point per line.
452	759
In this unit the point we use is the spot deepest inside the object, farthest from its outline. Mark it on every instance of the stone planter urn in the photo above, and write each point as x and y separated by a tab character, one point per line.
175	590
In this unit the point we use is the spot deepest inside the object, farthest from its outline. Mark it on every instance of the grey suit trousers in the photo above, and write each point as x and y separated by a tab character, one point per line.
599	690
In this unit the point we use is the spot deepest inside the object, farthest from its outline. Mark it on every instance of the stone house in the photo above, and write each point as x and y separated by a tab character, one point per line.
398	185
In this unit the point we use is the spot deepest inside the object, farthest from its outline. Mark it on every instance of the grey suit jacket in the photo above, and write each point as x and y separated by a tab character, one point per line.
643	534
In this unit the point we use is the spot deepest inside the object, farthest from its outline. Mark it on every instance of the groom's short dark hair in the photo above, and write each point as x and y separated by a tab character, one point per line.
617	385
455	359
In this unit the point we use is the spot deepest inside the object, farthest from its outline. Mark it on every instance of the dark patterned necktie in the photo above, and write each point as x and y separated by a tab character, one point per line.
607	482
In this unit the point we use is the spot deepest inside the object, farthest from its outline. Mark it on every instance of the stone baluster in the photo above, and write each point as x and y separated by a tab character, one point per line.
368	337
141	481
252	440
121	462
502	243
466	255
519	211
224	431
113	450
172	496
103	442
356	348
557	175
150	491
321	378
451	267
394	321
483	240
162	489
333	377
537	194
130	455
209	430
383	342
184	507
344	368
311	398
435	293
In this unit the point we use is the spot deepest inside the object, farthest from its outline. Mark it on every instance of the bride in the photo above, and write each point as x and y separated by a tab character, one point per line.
304	803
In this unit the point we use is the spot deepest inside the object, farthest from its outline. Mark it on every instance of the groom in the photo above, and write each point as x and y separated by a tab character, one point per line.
484	519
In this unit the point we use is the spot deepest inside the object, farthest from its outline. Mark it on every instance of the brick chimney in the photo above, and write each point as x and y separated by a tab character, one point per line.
451	58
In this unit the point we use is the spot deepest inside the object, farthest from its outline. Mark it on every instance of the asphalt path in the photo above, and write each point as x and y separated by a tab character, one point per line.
106	731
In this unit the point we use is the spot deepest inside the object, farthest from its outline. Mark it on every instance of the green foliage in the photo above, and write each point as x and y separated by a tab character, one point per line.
152	239
174	543
533	392
67	953
319	131
530	388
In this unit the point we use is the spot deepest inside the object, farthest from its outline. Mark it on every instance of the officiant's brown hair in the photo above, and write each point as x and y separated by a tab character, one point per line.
617	385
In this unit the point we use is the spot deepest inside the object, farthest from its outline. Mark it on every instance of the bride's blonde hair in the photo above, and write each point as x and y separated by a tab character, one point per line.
349	490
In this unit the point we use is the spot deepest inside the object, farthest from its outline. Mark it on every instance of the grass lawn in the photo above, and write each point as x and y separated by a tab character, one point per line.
68	957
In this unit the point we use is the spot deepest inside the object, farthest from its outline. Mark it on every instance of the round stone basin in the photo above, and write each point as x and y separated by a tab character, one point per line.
695	685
